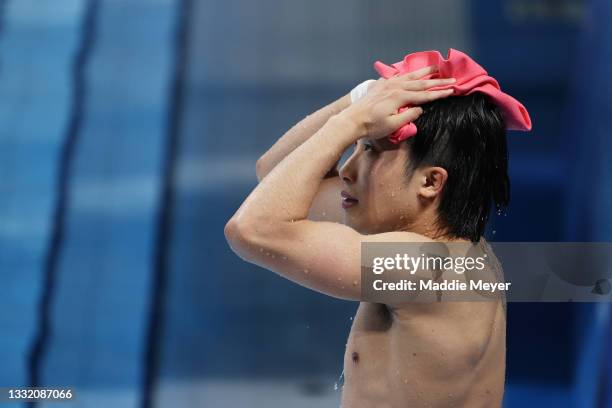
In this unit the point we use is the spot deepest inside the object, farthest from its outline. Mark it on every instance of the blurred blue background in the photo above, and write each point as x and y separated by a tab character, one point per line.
129	131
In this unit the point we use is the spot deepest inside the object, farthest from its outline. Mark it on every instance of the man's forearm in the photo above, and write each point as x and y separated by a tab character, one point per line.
286	194
300	132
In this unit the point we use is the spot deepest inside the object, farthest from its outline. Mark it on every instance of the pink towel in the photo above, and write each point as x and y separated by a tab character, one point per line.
470	76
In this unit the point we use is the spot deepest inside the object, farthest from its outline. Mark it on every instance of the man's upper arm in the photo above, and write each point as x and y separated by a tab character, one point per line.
327	204
323	256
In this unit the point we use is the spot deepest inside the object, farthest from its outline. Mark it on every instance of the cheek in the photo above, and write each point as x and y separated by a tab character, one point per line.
376	178
391	195
386	179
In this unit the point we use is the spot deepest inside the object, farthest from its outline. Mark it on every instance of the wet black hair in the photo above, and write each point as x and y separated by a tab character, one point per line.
466	135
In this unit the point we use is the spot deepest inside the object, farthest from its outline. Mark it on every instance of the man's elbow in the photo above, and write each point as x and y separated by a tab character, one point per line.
238	234
243	234
247	236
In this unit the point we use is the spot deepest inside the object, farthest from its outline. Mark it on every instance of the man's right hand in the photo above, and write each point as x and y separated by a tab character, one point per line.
376	114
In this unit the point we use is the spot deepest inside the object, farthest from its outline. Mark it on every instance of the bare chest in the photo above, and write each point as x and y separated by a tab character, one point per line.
391	359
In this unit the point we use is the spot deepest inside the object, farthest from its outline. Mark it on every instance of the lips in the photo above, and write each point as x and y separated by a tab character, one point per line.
348	200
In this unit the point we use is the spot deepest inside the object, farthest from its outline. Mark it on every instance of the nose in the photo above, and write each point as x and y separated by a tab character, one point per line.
348	171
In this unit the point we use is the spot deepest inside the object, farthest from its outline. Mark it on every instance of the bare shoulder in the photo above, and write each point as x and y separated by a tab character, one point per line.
471	315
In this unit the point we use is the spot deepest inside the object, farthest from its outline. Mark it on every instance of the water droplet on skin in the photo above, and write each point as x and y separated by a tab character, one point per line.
324	213
284	258
405	381
339	279
306	271
292	220
354	283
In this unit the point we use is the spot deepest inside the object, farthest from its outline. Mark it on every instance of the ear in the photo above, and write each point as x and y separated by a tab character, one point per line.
433	180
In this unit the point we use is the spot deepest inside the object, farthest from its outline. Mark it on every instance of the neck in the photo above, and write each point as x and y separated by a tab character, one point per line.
427	224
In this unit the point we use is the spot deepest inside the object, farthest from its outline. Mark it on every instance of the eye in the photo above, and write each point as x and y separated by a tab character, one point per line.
368	146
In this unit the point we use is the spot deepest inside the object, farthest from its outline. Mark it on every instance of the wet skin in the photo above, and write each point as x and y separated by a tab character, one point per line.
414	354
294	224
426	355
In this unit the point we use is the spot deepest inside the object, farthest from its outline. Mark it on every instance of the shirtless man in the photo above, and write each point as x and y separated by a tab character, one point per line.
409	355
